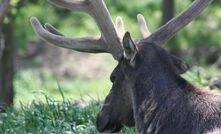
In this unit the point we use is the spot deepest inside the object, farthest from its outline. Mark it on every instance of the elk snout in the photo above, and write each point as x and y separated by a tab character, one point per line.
105	124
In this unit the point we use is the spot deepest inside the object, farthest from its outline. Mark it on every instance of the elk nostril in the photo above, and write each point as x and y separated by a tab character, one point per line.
101	122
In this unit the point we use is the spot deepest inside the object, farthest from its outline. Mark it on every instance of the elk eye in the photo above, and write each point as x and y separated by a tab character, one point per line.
112	78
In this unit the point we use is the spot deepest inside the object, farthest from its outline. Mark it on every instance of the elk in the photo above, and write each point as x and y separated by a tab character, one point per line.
148	91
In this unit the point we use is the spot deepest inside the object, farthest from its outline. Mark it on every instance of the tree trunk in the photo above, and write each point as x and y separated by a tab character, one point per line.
167	10
6	52
2	42
6	65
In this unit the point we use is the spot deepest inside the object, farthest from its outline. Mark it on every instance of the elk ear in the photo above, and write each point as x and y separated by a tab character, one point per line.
180	66
130	49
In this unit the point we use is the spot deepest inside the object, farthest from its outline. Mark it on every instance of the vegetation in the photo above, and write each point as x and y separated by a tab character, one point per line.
56	117
45	83
48	103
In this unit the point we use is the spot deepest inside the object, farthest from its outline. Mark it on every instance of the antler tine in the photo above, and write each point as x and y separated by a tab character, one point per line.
103	19
168	30
120	27
52	29
98	10
86	44
143	26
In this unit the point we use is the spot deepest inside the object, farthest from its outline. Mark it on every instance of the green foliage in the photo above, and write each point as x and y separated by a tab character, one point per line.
23	33
202	32
53	117
199	76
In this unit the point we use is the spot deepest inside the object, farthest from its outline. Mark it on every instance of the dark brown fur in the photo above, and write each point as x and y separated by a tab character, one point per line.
162	102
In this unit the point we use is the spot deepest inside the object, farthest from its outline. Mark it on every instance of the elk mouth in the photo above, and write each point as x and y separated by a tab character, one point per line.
110	128
105	125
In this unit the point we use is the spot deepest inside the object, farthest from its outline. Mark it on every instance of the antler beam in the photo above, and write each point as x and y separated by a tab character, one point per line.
108	42
111	35
86	44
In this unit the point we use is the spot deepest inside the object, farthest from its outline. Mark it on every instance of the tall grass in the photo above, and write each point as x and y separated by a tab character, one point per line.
52	117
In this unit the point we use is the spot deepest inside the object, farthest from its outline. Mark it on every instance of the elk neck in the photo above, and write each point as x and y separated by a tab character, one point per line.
159	98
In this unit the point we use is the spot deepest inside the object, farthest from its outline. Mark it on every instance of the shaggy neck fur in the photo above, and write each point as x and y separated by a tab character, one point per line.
168	104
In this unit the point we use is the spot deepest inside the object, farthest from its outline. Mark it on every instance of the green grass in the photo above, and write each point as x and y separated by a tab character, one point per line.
33	84
199	76
57	117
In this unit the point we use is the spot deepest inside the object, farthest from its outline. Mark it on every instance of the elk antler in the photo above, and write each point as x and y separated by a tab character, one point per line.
143	26
168	30
110	40
120	27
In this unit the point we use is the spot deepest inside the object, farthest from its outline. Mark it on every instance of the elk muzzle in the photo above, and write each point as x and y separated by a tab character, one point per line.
104	123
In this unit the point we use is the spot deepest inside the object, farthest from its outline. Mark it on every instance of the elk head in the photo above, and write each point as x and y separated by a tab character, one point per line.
117	109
